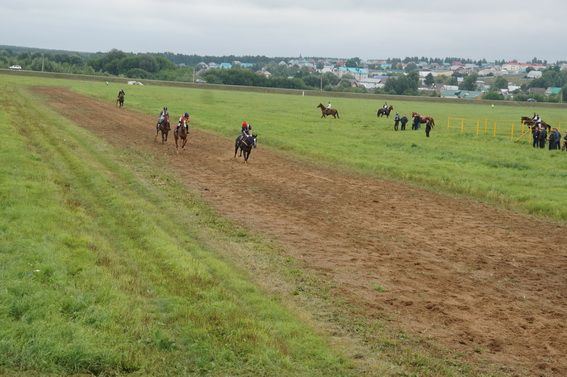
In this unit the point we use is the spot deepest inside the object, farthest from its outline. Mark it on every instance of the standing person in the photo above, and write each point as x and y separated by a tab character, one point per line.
396	121
535	135
542	137
428	127
404	121
415	124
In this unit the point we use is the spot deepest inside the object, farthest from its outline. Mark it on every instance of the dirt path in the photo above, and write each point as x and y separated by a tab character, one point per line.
470	276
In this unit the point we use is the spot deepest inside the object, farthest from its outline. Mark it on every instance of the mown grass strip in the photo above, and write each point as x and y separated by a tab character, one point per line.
103	275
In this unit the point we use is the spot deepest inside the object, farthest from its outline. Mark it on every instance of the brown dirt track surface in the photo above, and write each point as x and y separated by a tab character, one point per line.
462	273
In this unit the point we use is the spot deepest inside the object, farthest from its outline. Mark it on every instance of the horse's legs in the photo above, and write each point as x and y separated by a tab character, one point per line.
184	142
235	149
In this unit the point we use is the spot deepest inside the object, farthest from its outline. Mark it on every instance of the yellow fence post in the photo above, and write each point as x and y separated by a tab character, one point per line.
477	127
512	133
494	130
485	126
449	122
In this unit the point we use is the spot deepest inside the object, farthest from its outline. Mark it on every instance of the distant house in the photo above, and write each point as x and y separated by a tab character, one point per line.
463	94
202	65
225	66
553	90
358	73
540	91
372	83
534	74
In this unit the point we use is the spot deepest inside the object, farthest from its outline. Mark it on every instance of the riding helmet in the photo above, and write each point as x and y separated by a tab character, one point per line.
186	114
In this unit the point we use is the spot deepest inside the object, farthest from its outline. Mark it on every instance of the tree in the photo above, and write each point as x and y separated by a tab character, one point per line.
353	62
403	84
410	67
429	80
499	83
469	82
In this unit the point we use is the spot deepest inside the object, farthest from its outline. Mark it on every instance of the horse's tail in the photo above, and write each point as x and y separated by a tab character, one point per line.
338	114
432	121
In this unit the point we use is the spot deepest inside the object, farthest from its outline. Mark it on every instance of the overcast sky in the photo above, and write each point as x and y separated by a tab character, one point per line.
491	29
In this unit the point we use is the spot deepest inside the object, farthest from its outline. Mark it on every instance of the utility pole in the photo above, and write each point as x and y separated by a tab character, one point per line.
42	61
321	81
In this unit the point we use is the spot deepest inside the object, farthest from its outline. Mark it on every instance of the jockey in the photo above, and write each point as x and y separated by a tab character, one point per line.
246	128
121	92
162	115
385	106
184	121
536	119
329	105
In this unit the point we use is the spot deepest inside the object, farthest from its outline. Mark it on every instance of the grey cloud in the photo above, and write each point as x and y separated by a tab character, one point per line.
491	29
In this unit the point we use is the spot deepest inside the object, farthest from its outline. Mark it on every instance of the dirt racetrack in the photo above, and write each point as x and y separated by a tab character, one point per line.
467	275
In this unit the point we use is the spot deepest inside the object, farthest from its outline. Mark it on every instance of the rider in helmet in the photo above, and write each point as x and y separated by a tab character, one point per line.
246	129
162	115
184	121
385	106
121	92
329	105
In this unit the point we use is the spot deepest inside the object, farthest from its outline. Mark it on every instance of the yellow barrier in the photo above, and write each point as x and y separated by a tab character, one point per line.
487	127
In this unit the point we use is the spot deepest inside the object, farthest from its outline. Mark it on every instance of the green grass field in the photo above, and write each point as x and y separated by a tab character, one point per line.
498	170
104	272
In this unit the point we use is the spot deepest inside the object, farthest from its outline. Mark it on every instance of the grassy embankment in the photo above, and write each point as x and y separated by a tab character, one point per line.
103	272
498	170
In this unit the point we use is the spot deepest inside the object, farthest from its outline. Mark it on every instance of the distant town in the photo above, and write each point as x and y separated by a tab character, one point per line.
534	81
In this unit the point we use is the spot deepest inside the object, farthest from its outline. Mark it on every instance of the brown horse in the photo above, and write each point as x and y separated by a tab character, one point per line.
180	133
120	100
325	111
164	127
384	111
423	119
528	121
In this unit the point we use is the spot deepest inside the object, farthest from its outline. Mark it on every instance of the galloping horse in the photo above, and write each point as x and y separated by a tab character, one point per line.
528	121
384	111
325	111
180	133
120	100
245	144
423	119
164	127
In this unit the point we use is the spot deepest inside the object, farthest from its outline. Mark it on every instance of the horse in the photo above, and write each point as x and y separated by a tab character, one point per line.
325	111
423	119
180	133
120	100
528	121
164	127
245	144
384	111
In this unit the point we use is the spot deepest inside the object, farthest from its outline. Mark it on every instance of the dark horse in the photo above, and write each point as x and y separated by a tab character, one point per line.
245	144
530	123
325	111
384	111
164	127
423	119
180	133
120	100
